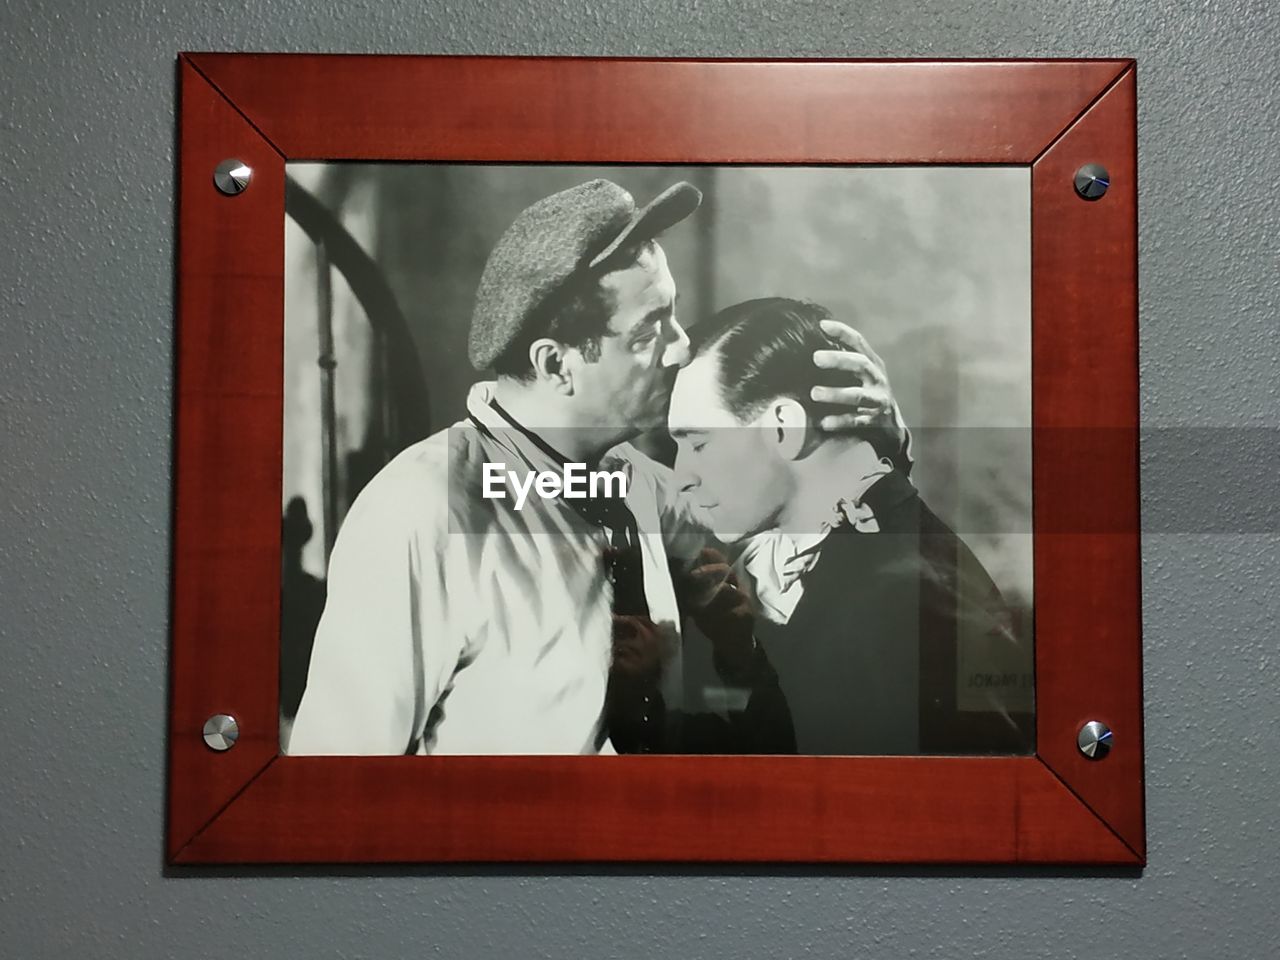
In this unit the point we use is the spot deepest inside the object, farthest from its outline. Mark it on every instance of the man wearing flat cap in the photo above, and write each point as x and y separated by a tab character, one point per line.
462	620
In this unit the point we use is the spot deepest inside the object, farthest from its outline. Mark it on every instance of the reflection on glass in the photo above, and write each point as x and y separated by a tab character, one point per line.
815	384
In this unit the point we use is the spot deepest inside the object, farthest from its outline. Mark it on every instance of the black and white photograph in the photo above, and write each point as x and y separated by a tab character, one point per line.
659	460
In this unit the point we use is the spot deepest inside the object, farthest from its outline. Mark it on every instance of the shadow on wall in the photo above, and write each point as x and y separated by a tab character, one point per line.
302	599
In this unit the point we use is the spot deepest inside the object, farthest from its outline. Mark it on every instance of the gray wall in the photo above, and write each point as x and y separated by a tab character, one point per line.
86	134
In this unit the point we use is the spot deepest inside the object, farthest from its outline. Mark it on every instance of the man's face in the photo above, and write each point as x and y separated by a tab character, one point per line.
733	472
641	350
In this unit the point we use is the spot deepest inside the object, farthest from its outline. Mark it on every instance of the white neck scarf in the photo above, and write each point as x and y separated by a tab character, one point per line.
776	562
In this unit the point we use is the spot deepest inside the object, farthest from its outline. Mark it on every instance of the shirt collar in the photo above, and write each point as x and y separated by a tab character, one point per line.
512	436
517	440
531	447
778	561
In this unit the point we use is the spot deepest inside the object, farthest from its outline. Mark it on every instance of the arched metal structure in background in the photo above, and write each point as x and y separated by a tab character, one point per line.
404	403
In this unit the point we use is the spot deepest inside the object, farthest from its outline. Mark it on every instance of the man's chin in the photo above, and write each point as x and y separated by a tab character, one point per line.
708	518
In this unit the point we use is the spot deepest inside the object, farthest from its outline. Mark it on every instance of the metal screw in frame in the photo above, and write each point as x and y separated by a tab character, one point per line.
1092	181
1094	740
232	176
221	732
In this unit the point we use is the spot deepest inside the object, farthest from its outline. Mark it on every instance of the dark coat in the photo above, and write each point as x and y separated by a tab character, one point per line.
867	661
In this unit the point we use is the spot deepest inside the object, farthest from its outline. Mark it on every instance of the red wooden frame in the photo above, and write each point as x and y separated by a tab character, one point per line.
250	804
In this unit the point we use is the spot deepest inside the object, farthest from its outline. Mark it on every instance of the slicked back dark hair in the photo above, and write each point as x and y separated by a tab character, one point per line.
765	350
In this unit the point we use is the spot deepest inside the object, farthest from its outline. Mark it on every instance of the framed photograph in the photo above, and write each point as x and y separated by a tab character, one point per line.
656	460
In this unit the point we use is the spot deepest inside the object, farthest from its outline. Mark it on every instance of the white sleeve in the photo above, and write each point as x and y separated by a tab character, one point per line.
384	649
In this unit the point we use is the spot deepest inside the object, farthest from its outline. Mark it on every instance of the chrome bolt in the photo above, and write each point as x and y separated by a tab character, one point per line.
1094	740
221	732
1092	181
232	176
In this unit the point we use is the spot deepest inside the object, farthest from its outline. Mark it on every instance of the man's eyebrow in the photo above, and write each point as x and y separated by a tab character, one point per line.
643	328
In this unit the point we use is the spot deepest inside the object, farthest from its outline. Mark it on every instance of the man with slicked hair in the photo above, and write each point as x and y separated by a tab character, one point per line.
863	595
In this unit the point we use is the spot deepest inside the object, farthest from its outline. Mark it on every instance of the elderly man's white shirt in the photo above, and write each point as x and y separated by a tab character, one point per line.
457	624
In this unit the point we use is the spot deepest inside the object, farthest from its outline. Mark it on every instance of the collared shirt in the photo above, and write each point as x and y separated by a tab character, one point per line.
775	562
458	624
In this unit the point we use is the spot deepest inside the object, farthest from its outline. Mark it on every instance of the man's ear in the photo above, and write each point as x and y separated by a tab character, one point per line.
548	359
788	426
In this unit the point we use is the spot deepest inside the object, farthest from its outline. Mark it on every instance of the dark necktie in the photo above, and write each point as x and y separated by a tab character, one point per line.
623	561
635	712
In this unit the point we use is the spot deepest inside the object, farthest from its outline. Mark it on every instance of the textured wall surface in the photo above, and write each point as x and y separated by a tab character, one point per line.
86	196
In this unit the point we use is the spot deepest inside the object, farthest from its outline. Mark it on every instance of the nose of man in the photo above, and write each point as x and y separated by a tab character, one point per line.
686	480
676	351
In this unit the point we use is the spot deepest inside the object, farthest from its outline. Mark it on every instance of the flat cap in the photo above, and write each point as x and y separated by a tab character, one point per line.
566	234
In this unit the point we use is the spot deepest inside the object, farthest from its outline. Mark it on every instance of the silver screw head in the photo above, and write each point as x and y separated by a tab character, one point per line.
221	732
232	176
1094	740
1092	181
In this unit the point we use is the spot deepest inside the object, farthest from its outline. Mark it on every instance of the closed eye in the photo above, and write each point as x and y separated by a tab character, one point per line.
648	328
645	338
691	440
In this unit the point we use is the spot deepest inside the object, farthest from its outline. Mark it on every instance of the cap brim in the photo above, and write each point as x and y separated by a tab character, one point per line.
665	210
